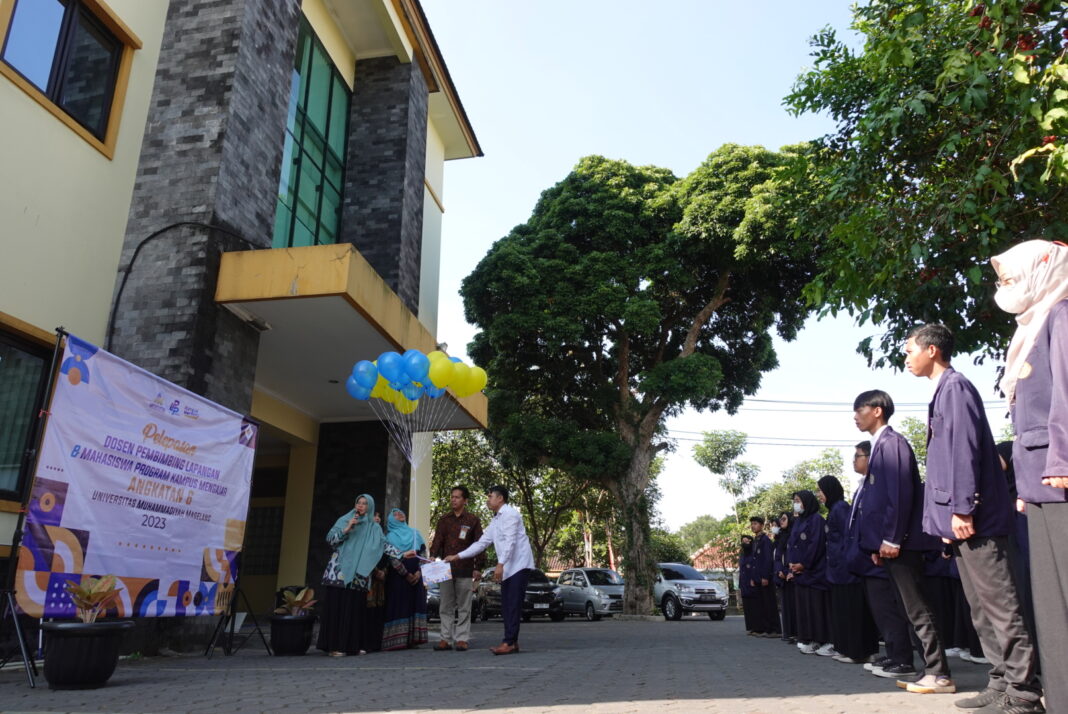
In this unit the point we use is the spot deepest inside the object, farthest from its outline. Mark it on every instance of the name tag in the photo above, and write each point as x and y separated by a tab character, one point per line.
463	532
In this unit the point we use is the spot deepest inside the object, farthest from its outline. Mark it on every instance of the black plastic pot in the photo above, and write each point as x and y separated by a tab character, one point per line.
291	634
81	655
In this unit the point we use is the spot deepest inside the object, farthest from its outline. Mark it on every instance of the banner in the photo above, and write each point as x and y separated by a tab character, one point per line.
140	479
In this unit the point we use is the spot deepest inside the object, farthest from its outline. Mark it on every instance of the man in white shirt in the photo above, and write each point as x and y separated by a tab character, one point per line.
514	562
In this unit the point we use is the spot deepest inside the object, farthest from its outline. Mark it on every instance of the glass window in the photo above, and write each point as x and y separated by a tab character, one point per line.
680	572
565	579
61	48
22	371
313	160
604	577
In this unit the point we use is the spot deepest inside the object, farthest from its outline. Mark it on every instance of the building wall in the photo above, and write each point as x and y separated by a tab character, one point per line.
63	203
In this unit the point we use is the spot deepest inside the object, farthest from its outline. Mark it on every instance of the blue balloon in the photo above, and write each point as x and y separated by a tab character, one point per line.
391	367
365	374
412	391
434	392
355	390
455	359
416	365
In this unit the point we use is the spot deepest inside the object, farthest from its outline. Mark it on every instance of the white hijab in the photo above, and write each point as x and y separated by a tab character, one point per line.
1038	270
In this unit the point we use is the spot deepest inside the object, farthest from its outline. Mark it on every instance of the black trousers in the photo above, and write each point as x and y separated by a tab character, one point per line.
852	628
986	574
1047	525
513	590
889	616
789	610
906	572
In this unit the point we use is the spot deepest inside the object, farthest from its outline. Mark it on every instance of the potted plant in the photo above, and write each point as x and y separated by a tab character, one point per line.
291	624
83	655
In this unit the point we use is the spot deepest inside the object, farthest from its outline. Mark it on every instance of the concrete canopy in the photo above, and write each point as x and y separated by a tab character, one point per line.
321	309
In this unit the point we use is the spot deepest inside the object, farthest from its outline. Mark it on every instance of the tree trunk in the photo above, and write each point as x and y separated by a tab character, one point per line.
587	541
638	593
611	547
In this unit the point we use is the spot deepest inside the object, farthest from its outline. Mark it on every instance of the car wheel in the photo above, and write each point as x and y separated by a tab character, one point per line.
557	616
526	617
717	615
591	614
671	608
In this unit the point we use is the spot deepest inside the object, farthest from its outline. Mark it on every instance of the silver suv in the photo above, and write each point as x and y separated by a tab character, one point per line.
680	588
591	592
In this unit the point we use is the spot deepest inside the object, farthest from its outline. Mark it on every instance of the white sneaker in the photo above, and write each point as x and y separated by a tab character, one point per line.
809	648
827	650
953	652
801	645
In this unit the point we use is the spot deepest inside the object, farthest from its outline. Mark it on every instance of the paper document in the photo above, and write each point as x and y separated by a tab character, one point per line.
437	572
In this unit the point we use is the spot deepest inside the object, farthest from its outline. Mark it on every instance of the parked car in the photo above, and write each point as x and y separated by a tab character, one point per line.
680	588
433	603
592	592
542	598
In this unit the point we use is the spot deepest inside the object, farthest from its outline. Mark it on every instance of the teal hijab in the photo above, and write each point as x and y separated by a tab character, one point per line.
364	545
401	535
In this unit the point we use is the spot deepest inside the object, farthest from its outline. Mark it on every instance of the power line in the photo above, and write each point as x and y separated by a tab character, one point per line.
850	404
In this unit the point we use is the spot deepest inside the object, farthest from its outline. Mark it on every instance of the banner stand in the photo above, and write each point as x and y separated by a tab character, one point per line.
29	466
228	621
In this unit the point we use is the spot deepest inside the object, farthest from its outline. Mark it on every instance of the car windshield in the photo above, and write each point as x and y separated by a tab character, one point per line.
680	572
536	576
604	577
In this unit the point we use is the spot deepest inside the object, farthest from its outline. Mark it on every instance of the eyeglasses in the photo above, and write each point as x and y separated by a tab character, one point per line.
859	456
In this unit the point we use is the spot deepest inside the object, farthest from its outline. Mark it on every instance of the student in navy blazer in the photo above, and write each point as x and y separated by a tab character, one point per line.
967	505
889	514
1033	285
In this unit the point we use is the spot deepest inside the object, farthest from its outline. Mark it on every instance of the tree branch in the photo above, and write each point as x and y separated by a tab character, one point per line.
720	299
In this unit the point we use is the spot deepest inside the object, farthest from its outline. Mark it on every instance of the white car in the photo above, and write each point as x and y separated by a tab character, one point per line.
680	588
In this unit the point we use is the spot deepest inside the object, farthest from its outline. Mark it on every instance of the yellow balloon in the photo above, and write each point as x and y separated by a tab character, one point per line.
477	379
406	406
460	373
436	355
441	372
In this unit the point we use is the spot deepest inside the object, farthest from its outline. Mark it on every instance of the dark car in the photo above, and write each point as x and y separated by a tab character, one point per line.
541	598
433	603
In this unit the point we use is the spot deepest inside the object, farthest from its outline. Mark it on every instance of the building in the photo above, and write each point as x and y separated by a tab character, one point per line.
243	198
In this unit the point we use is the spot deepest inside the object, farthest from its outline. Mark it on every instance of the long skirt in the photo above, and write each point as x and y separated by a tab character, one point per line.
750	605
405	611
767	610
812	625
789	610
342	619
853	630
375	618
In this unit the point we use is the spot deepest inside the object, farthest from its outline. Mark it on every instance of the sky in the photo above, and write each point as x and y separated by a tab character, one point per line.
545	83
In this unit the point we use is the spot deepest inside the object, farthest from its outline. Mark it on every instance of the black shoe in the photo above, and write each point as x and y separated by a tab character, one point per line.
987	696
895	671
1008	704
878	663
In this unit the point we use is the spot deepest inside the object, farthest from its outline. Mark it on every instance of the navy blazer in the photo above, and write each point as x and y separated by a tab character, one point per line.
857	560
1040	412
808	546
891	503
964	475
780	558
763	558
745	574
837	553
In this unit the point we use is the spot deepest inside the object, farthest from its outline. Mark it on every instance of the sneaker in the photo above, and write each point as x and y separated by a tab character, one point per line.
845	660
987	696
772	635
894	671
953	652
801	645
1008	704
878	662
930	684
809	648
969	657
827	650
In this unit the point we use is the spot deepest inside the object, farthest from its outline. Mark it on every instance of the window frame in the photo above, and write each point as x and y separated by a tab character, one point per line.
119	80
44	353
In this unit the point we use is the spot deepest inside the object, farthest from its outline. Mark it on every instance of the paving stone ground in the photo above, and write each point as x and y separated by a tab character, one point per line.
572	667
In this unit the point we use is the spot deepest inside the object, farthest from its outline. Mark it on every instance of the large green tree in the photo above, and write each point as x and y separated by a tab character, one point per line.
949	146
626	296
719	452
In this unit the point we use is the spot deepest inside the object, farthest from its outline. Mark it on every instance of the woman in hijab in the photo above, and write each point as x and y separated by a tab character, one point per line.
358	544
783	579
1033	285
405	592
750	602
806	554
853	632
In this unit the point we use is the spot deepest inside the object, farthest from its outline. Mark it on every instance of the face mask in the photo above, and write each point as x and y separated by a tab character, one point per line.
797	507
775	530
1012	298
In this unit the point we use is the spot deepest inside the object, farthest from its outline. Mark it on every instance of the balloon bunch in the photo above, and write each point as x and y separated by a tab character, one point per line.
401	379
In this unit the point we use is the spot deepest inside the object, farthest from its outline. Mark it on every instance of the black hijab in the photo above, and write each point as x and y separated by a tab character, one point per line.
832	490
810	503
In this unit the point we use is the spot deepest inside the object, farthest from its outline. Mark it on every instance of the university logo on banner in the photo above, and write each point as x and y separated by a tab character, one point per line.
140	479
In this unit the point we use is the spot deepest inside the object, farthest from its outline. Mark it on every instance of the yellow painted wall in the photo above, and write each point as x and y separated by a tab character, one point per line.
329	34
63	205
300	485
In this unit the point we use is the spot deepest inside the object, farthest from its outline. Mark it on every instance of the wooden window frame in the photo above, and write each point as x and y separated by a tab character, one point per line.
130	43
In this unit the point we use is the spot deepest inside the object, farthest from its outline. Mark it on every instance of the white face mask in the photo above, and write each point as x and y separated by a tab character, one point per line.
775	530
797	507
1013	298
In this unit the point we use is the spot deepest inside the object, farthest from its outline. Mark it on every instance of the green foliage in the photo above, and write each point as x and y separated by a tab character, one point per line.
666	547
625	297
719	452
698	532
915	432
951	144
771	500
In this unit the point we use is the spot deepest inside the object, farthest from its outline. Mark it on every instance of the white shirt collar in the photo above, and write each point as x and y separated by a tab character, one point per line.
876	435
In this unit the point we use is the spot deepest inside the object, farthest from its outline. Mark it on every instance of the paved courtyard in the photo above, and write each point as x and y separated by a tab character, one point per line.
694	665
